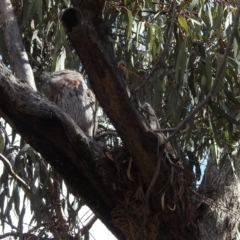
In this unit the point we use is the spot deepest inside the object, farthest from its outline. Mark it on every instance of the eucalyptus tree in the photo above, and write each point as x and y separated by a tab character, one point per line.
180	59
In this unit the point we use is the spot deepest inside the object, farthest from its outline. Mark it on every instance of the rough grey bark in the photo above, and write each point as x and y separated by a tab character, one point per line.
220	197
14	44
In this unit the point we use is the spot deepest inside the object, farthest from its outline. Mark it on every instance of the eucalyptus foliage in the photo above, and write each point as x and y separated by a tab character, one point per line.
138	34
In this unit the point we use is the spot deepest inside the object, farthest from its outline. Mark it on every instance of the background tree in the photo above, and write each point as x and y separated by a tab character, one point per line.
182	58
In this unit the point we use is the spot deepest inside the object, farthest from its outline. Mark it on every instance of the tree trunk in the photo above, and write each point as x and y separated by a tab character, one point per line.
220	196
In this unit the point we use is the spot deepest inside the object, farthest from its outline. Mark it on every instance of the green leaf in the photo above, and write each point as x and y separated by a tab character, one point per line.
183	23
2	202
158	38
8	207
181	62
150	38
210	14
215	132
29	8
217	21
14	134
20	221
36	205
189	131
184	4
129	24
16	199
218	111
140	30
237	38
67	2
191	82
2	142
39	9
230	132
205	19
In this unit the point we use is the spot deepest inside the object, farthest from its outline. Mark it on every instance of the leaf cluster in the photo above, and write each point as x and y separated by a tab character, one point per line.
27	180
178	84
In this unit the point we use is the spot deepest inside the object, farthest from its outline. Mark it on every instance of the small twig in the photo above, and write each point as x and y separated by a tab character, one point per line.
170	130
108	133
10	234
216	81
10	170
88	226
164	130
162	54
8	223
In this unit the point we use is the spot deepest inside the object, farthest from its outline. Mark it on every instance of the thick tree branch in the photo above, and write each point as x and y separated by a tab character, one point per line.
13	41
108	85
77	158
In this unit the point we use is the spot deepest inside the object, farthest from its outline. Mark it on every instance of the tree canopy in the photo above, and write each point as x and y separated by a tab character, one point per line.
181	57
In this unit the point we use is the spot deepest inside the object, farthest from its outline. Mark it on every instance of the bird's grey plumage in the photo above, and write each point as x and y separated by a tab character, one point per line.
150	115
68	90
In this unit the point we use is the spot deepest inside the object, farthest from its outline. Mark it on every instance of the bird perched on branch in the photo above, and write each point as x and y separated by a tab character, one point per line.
151	118
68	90
150	115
